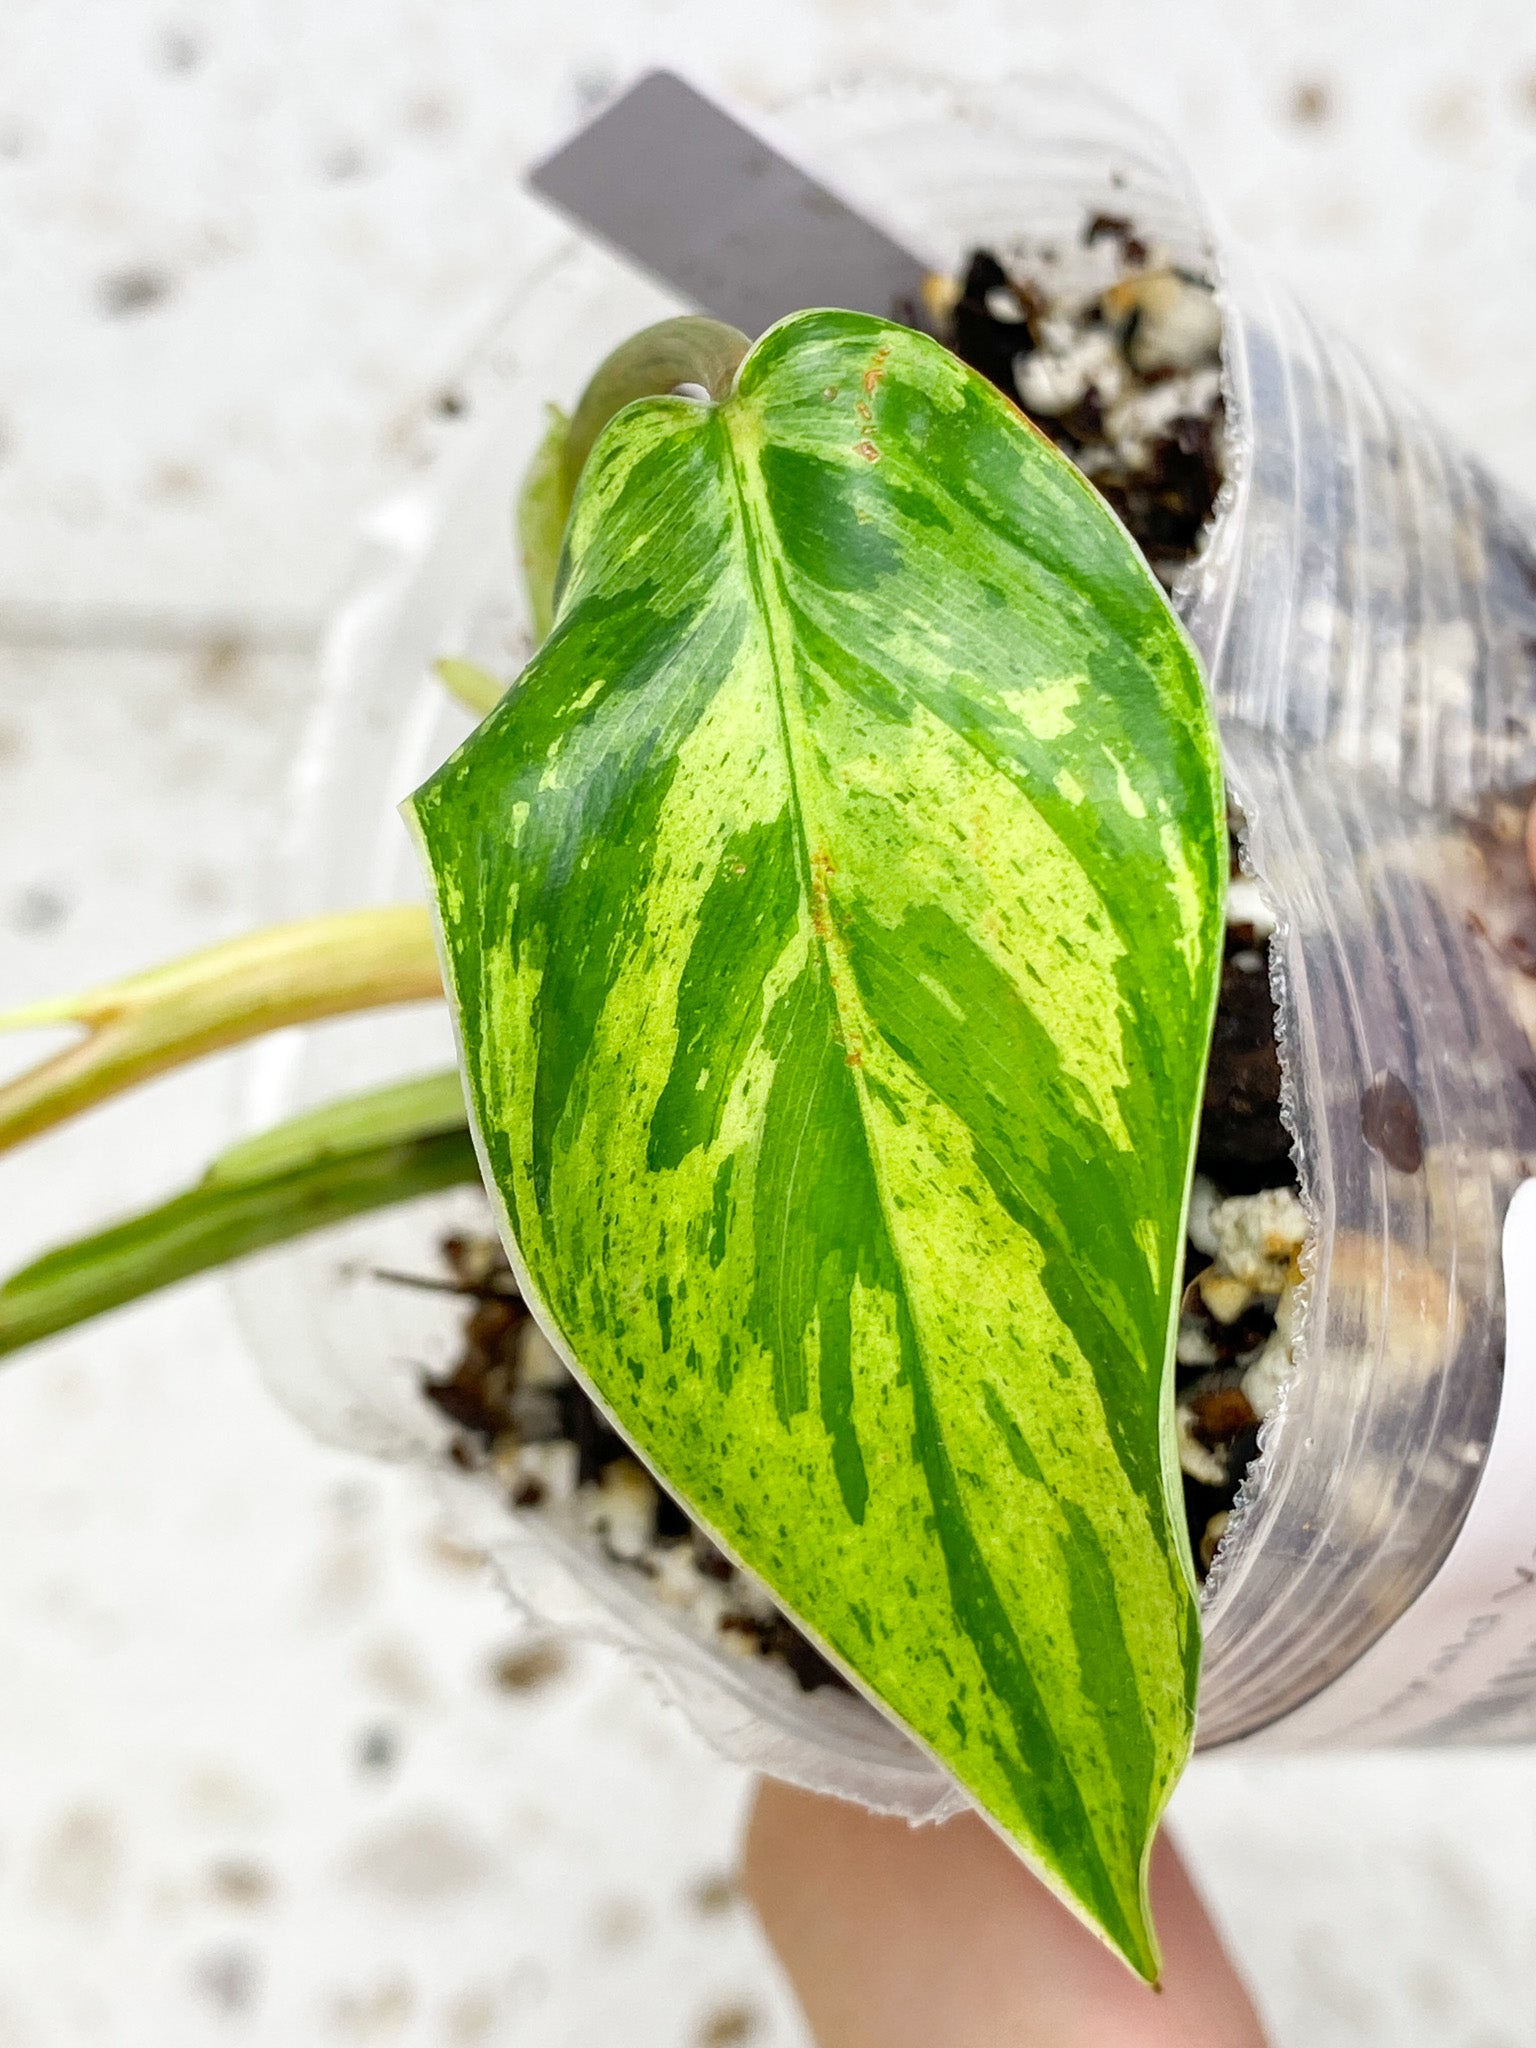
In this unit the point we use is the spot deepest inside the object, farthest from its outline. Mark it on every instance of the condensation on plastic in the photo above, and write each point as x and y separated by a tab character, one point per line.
1367	609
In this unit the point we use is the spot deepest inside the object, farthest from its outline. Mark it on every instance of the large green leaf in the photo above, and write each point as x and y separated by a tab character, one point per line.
833	914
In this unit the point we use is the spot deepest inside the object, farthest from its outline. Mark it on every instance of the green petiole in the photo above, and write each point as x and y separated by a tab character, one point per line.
365	1152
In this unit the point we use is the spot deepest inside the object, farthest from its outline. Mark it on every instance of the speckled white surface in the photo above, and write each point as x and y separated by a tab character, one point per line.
256	1780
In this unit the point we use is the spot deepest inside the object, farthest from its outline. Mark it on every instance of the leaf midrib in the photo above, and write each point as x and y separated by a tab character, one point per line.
756	524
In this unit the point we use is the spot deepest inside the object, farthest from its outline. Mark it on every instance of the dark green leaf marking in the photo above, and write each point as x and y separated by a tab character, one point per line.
833	913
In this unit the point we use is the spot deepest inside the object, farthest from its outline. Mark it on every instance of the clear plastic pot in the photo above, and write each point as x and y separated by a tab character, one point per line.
1366	604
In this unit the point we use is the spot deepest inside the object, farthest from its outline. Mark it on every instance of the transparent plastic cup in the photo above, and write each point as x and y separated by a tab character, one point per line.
1366	606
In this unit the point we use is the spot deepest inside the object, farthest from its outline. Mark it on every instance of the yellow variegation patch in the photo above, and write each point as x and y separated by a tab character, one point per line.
833	914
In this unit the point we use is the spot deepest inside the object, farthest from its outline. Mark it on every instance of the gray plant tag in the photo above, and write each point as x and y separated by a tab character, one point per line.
671	181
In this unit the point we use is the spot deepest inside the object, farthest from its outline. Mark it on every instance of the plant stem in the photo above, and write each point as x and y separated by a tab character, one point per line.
366	1152
287	974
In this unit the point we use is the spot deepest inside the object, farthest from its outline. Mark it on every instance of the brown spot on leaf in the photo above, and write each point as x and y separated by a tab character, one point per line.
876	368
821	916
1389	1120
867	449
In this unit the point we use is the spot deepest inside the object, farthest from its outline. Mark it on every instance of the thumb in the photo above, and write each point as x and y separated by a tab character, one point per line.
902	1937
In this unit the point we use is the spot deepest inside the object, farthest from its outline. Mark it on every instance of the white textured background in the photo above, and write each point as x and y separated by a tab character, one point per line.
259	1780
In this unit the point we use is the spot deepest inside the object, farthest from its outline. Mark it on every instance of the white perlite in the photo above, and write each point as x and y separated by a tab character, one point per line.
1264	1379
1258	1238
1254	1243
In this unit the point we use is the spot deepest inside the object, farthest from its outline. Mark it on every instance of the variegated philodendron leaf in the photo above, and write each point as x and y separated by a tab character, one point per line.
833	913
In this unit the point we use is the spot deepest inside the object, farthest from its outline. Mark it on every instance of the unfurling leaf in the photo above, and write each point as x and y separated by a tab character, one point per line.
543	506
833	912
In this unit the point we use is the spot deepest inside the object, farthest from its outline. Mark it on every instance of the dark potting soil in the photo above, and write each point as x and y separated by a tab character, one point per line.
1243	1151
1244	1146
1116	358
509	1396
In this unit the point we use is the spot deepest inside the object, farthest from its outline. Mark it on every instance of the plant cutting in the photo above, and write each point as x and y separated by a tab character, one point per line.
1397	895
832	915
